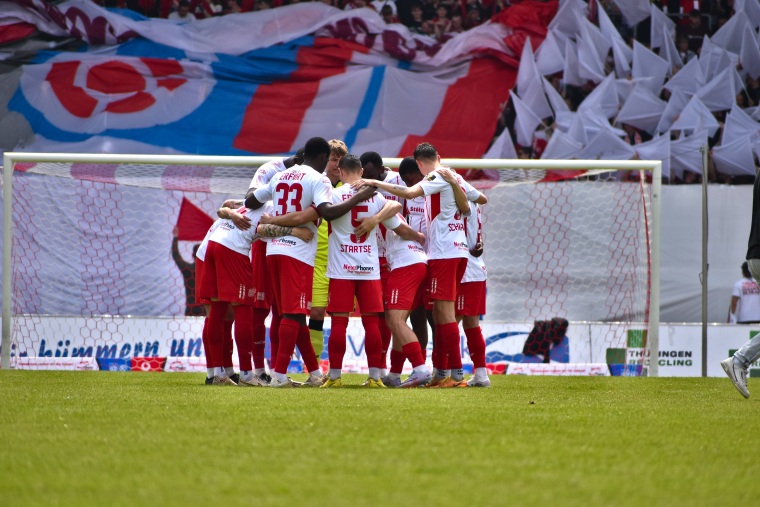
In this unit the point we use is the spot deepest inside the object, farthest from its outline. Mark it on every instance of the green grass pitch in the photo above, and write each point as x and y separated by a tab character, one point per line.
98	438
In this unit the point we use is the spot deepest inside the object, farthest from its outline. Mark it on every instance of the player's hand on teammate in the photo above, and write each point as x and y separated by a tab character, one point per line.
242	222
363	184
366	226
367	192
266	219
448	176
303	234
232	203
421	239
478	250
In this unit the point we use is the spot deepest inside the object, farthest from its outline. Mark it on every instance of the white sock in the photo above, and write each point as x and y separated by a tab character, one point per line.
258	371
246	375
374	373
421	369
393	376
441	373
316	373
457	374
210	372
219	372
334	373
383	372
481	373
281	377
229	370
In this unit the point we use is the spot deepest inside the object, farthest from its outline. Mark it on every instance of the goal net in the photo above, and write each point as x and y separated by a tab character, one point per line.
92	272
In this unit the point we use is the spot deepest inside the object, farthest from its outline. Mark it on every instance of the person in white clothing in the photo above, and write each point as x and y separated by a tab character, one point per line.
265	298
226	280
373	169
447	252
354	272
291	262
745	300
182	13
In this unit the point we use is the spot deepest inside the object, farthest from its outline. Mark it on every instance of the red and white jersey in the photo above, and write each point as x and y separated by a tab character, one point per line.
266	172
201	252
476	268
414	211
401	252
446	235
392	178
236	239
295	189
350	257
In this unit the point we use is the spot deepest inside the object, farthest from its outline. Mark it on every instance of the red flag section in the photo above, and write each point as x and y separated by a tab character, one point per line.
193	223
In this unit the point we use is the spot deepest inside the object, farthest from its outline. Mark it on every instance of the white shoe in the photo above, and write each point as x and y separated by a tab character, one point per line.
476	382
313	381
737	374
282	384
416	380
254	382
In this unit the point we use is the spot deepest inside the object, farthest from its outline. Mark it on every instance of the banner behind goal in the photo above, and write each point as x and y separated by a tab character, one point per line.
89	240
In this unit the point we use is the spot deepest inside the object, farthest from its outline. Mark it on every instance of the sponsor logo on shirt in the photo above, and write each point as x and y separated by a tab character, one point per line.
430	177
283	242
415	209
358	269
356	248
461	246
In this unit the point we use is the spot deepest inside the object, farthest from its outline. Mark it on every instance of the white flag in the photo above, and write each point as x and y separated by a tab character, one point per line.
689	79
658	148
633	11
735	157
529	85
550	58
662	28
561	146
642	109
607	145
686	153
648	64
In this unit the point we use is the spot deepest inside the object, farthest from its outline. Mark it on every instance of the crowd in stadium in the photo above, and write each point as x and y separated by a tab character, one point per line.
693	21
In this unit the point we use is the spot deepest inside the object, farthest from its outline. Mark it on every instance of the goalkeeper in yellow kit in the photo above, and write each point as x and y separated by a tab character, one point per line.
319	288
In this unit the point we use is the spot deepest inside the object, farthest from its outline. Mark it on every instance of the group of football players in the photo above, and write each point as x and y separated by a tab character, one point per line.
325	231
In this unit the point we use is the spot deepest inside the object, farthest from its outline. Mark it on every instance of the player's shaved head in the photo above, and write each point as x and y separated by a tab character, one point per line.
316	146
372	163
409	171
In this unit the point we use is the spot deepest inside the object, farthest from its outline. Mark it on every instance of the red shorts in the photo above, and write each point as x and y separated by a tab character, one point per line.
226	275
340	298
291	284
406	287
445	275
261	281
471	299
198	275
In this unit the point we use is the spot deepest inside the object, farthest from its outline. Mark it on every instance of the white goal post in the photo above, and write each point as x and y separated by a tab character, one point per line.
11	159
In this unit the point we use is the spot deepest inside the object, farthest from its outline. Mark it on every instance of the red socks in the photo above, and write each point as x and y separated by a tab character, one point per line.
450	335
373	343
336	344
397	360
274	338
216	333
228	345
206	346
440	356
289	330
385	337
259	336
477	346
414	352
306	348
244	335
